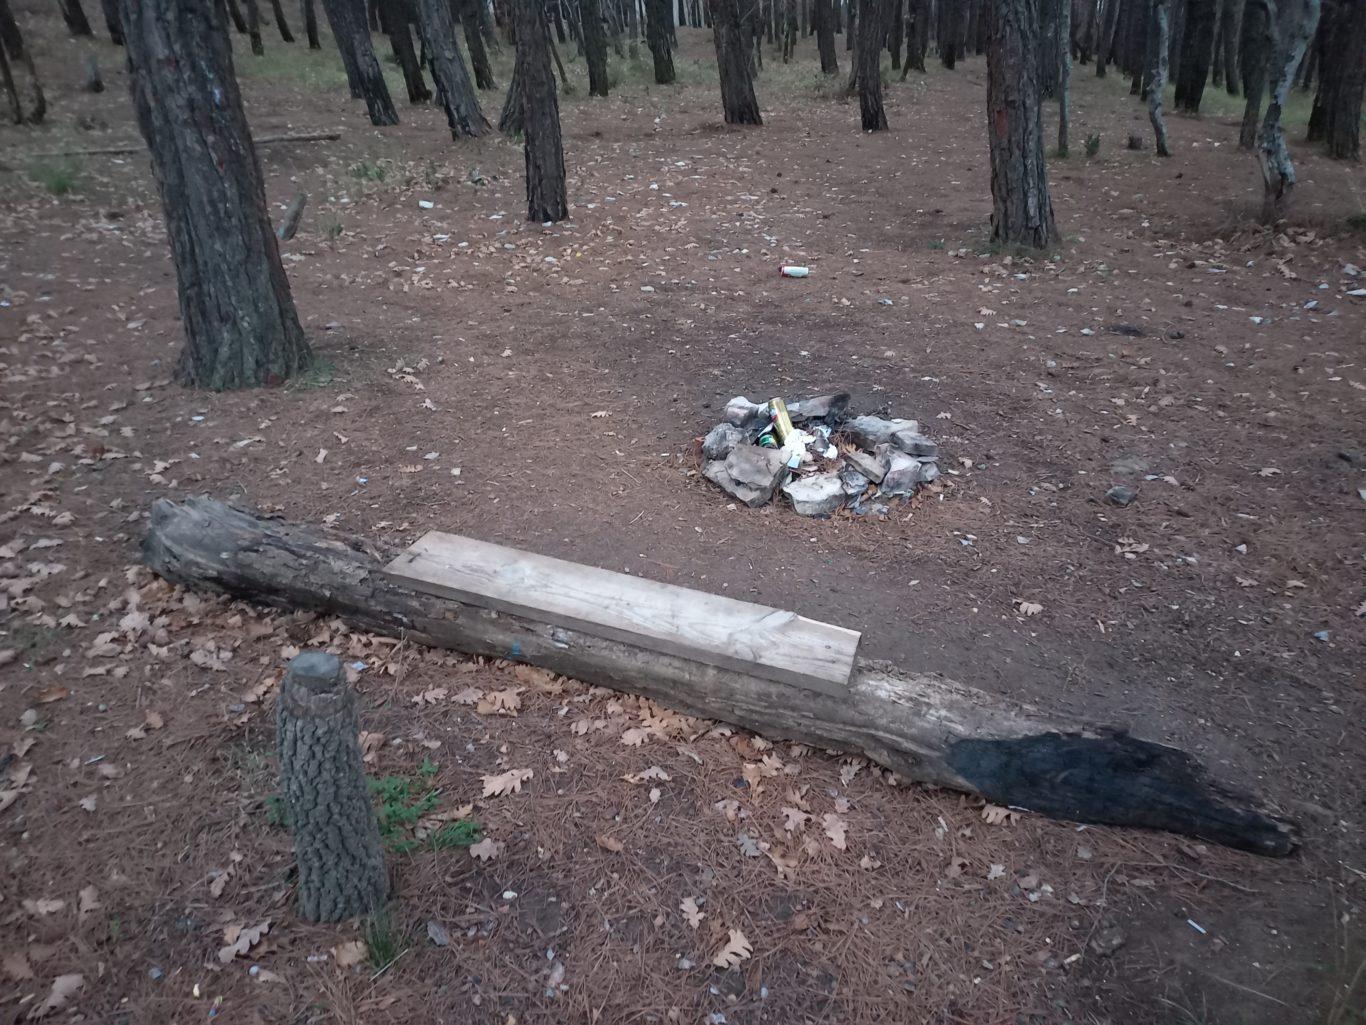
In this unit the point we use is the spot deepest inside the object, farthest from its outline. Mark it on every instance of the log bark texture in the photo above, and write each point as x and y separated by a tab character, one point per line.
658	26
923	727
322	777
594	47
872	29
823	22
351	30
452	78
542	148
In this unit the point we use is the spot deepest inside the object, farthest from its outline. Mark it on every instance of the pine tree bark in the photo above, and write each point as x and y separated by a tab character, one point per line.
1197	49
241	329
351	29
452	78
918	35
277	9
546	198
74	16
471	24
310	16
510	120
258	46
1230	17
1022	210
234	9
872	24
11	92
395	20
111	21
731	33
1050	61
12	41
594	47
1254	50
1343	82
1292	28
895	28
1064	77
1157	76
823	18
658	26
327	799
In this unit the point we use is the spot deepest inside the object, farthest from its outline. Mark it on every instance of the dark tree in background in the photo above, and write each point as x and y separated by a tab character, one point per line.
594	47
277	9
658	29
1336	117
510	120
1022	211
823	23
351	29
258	47
241	329
545	181
1254	47
74	16
395	18
453	84
1197	49
472	25
732	33
310	16
872	30
1230	18
13	47
111	21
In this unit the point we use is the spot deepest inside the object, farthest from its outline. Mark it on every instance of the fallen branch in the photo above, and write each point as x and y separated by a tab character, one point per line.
923	727
121	151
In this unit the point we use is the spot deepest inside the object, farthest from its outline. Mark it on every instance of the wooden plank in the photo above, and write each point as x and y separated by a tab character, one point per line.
707	628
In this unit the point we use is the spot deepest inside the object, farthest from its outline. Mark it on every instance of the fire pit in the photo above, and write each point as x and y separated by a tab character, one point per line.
818	454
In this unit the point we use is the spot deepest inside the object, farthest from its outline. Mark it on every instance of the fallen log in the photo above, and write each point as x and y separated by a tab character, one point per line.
923	727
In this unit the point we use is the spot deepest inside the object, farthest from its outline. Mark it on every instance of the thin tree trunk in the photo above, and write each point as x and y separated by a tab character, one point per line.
657	29
234	9
471	23
731	34
395	18
1050	61
1293	28
918	35
111	21
1342	82
453	84
893	33
1157	77
310	16
1022	210
326	796
12	41
1230	18
74	16
1105	50
1254	50
351	29
1197	49
11	93
278	10
510	120
241	329
1064	76
546	198
822	15
258	47
594	47
871	29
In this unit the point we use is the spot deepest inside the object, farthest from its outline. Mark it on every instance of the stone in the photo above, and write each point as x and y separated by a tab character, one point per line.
1135	141
821	407
904	475
854	482
1126	330
1121	495
1107	942
818	494
868	432
740	412
915	445
929	472
870	466
720	440
750	474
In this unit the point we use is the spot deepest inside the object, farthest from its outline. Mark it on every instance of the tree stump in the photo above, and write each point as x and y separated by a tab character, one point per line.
336	840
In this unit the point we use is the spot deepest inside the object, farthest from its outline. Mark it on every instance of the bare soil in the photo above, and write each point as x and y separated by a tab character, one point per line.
543	387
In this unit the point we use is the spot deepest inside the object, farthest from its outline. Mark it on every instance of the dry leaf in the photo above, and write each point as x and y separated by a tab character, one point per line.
509	782
995	815
486	849
370	746
239	940
835	828
1028	608
737	949
89	803
794	819
690	912
501	702
63	986
430	697
728	807
610	843
469	696
89	900
16	966
350	953
653	772
996	871
43	906
635	736
51	694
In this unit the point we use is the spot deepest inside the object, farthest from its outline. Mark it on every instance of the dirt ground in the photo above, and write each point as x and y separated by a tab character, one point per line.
543	387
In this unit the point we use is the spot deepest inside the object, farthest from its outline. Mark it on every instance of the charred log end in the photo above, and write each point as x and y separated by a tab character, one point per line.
1120	780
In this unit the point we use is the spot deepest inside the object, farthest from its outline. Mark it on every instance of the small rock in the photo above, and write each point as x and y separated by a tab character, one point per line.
1127	330
904	474
1135	140
741	412
869	466
915	445
871	431
1107	942
819	494
750	474
854	482
822	407
436	932
1121	495
721	441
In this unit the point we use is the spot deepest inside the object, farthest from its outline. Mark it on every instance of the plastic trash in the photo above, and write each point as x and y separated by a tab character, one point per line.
791	271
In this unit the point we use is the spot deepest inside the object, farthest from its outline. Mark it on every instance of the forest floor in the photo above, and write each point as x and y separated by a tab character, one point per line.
544	387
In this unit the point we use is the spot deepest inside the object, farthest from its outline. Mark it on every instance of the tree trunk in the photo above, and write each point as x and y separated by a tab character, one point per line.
923	727
351	29
1050	61
326	796
471	23
1157	76
74	16
310	16
277	9
11	92
790	23
1342	81
241	329
1022	212
657	29
1292	29
823	17
872	25
111	21
453	84
12	41
1105	45
1254	51
732	37
546	199
1064	76
258	47
395	17
918	35
234	9
1230	17
1197	48
893	33
510	120
594	47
